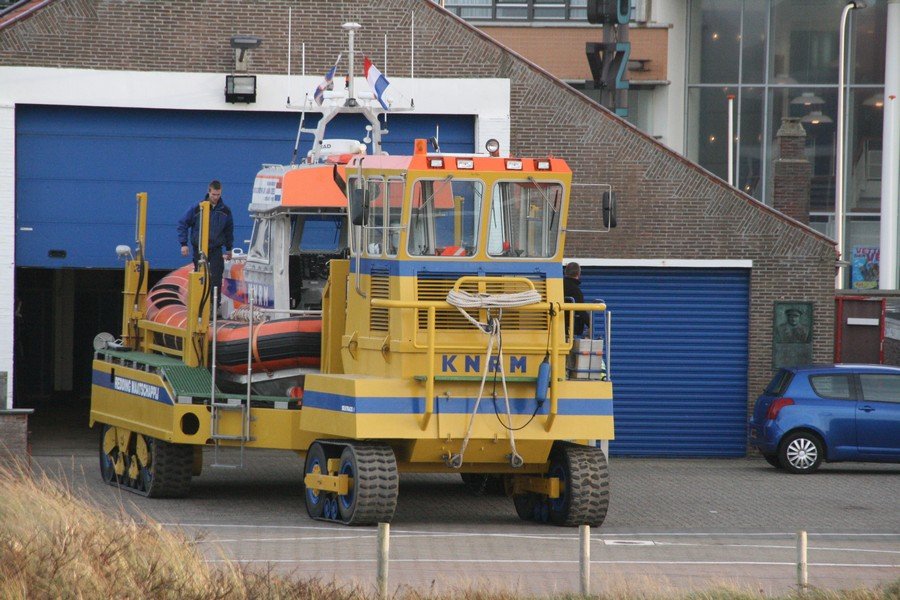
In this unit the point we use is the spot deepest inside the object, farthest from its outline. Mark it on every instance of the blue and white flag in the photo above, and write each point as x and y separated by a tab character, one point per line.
327	83
377	81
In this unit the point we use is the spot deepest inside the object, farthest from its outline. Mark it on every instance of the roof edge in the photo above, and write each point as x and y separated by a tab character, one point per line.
23	9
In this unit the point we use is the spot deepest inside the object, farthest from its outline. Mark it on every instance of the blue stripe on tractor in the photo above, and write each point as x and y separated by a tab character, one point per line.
415	405
442	266
131	387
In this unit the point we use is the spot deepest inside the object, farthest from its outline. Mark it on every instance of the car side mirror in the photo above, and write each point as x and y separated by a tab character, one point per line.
609	209
358	200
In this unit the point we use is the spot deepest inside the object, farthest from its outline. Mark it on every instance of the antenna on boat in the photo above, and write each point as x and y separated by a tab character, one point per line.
299	129
290	9
351	28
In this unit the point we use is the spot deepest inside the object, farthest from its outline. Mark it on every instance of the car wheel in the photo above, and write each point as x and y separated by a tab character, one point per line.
773	460
801	452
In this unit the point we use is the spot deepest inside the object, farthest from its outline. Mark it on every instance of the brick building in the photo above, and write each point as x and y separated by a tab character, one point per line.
87	69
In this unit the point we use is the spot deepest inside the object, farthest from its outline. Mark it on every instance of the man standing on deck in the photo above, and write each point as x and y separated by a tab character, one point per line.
221	233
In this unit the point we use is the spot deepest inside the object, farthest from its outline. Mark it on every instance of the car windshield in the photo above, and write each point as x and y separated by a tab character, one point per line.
779	383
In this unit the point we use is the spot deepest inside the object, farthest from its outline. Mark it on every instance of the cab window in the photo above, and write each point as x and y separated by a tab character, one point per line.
260	241
524	220
444	217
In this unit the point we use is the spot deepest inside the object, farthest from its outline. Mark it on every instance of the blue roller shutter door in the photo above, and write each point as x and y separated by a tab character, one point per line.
78	170
679	358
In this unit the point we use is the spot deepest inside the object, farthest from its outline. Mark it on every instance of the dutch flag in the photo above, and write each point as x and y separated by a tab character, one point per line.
377	81
327	83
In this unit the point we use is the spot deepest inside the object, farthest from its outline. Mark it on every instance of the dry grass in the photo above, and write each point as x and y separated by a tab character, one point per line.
54	544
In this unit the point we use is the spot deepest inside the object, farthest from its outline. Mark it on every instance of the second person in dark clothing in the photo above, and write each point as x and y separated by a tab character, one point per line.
572	289
221	233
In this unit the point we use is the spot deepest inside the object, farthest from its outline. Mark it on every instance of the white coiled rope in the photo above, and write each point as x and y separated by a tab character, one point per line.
463	300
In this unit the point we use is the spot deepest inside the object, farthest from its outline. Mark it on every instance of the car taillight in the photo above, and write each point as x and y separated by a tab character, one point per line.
776	407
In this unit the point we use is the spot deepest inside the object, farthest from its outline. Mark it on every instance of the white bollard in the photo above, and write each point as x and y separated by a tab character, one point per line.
384	539
802	575
585	559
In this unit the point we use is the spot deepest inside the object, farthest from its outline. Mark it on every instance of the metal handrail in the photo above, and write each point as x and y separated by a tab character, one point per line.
554	308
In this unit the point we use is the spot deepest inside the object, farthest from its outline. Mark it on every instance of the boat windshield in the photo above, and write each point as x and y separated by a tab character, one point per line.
444	217
525	219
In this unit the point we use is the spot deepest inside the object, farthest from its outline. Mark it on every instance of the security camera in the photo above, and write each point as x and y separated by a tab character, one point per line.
242	43
245	42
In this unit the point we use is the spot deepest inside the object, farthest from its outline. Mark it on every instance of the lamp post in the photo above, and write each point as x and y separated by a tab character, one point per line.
839	151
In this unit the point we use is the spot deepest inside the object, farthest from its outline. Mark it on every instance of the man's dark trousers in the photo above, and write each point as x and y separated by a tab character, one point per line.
216	269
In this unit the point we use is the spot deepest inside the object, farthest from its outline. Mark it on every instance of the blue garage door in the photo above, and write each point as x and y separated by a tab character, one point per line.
678	358
78	170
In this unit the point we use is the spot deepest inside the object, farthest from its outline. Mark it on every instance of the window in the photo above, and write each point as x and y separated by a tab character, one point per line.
524	219
444	217
385	204
831	386
877	387
519	10
779	383
260	241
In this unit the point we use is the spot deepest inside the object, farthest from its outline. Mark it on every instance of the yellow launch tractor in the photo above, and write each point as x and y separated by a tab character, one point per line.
436	338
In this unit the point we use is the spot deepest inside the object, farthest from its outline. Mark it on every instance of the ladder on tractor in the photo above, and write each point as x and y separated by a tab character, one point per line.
231	403
216	408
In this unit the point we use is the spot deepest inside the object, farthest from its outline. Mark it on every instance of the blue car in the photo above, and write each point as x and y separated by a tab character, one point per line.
828	413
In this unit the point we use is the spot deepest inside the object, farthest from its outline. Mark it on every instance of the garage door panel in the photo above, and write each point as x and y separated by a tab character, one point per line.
678	358
78	170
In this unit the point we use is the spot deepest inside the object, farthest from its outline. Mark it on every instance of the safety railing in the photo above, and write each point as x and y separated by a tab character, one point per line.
554	309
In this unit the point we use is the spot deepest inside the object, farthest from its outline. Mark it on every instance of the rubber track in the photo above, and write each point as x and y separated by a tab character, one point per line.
588	485
377	484
173	466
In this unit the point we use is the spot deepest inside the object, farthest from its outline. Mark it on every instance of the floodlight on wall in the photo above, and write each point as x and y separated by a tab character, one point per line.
808	99
242	43
240	88
816	117
874	101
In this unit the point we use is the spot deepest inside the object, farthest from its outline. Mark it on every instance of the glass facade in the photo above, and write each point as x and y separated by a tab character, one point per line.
519	10
780	58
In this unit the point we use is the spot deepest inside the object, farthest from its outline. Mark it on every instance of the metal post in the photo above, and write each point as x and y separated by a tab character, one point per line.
802	575
384	540
584	559
890	163
212	362
351	28
731	140
839	151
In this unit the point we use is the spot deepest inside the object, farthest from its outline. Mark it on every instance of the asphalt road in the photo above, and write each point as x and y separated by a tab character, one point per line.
672	524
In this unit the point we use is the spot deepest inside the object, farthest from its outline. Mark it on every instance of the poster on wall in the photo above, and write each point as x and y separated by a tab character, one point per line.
864	268
792	324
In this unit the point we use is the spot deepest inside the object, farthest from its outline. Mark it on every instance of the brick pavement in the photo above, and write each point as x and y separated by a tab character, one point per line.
675	522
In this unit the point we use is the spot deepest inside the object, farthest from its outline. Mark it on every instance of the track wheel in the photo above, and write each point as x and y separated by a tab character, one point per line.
315	463
584	485
145	465
109	454
374	484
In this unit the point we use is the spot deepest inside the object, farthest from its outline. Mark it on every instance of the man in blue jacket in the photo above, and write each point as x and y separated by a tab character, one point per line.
221	233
